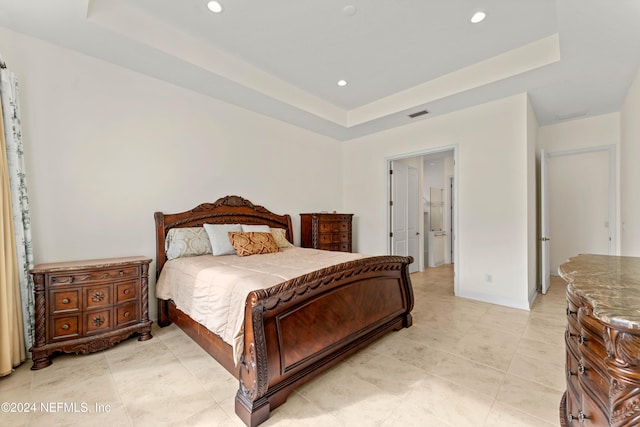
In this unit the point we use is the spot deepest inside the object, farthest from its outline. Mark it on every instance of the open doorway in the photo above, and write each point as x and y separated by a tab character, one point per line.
422	217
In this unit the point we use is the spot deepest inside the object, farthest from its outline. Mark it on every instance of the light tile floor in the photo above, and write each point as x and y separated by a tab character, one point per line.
462	363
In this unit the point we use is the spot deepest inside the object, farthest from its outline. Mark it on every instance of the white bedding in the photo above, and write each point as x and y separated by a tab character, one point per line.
212	289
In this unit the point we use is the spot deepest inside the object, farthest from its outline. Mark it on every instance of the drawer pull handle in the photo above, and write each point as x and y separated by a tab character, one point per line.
121	273
97	321
582	339
581	368
127	291
570	335
569	373
97	296
65	327
571	312
66	301
127	314
581	416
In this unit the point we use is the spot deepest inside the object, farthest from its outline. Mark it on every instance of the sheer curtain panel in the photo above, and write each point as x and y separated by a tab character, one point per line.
16	257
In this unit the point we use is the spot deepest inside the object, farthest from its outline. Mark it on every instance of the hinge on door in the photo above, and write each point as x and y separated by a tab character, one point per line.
390	234
390	171
390	202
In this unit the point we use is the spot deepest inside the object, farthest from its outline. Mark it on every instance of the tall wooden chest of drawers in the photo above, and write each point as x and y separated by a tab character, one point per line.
331	232
87	306
602	341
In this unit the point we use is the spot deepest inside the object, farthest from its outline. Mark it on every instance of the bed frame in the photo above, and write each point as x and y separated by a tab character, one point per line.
297	329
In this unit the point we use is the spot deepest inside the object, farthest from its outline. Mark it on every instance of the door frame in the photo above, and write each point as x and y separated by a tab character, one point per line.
544	239
612	188
456	238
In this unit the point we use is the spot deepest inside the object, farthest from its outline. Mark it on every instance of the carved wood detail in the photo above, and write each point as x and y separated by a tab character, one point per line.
263	381
608	389
300	286
622	347
86	327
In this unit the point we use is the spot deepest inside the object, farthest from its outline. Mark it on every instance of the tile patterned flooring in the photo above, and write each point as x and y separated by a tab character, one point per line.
462	363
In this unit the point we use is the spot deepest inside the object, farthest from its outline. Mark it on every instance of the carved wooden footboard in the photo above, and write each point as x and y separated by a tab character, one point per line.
304	326
295	330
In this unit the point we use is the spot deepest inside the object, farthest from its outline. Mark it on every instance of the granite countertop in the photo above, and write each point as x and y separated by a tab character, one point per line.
610	284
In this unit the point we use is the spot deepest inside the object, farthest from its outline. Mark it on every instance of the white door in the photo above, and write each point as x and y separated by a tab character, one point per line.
580	209
545	269
405	231
413	225
399	227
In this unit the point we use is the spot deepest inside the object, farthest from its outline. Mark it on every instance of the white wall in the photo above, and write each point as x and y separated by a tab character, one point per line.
106	147
599	131
492	184
630	171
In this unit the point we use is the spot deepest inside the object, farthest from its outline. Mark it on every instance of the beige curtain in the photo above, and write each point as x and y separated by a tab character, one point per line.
12	348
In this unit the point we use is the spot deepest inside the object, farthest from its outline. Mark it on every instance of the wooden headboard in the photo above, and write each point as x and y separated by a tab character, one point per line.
225	210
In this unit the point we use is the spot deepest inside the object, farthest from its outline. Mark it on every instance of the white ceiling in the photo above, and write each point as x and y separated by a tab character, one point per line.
283	59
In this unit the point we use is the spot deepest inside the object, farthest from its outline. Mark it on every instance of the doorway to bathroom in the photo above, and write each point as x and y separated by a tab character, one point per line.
422	208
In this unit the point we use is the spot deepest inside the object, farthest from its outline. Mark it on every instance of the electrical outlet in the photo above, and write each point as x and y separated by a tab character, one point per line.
488	278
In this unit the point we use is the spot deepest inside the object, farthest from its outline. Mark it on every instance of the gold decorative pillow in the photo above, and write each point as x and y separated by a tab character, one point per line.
252	243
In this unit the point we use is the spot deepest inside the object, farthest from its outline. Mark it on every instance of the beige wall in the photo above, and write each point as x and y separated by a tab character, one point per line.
630	171
107	147
493	211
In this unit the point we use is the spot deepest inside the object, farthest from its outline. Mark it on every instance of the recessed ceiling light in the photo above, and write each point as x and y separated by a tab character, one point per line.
342	83
478	17
349	10
214	6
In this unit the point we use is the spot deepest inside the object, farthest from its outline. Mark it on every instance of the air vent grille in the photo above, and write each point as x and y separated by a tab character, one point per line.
418	114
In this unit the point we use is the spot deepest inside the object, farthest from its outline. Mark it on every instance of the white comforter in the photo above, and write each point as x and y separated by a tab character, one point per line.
212	289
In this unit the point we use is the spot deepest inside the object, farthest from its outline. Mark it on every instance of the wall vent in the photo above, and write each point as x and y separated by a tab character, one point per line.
418	114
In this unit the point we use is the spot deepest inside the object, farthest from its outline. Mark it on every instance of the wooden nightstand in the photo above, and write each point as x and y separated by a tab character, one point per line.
87	306
331	232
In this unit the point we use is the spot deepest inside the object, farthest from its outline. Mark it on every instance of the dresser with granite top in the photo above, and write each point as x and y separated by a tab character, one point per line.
602	341
87	306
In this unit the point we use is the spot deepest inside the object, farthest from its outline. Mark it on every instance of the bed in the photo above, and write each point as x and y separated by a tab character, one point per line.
296	329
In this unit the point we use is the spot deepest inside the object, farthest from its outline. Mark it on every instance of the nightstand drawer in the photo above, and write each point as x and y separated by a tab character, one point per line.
126	292
126	314
65	328
97	296
65	300
97	321
94	276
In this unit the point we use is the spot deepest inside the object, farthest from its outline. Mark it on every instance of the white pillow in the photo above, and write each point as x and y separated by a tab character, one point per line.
219	238
255	228
187	241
